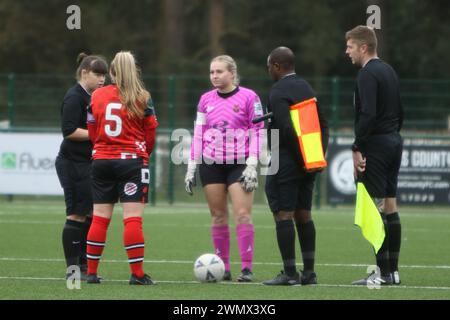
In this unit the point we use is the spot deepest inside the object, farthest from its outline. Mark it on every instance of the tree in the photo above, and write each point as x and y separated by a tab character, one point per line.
216	26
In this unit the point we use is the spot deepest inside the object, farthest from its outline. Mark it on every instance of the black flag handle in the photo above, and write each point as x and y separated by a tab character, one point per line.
263	117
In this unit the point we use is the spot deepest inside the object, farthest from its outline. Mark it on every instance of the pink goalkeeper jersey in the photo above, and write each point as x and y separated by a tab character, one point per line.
223	130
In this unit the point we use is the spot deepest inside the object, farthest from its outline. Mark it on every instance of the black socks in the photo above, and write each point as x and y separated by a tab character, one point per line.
307	238
382	256
395	236
286	243
71	239
84	233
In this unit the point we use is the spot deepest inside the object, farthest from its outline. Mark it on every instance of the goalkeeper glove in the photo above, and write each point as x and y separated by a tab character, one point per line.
249	178
189	179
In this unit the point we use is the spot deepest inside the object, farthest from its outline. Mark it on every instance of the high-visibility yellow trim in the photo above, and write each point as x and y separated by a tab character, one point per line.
304	116
368	218
296	121
312	144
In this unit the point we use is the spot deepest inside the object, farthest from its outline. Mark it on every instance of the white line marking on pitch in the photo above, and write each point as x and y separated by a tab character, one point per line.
173	225
232	283
352	265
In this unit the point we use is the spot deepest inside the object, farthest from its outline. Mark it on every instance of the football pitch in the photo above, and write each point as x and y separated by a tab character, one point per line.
32	264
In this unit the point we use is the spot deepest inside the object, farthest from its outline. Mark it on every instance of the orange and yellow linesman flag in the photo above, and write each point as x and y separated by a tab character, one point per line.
368	218
307	126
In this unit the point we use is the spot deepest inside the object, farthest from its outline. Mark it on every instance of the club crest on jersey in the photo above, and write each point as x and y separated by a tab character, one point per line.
258	109
130	188
236	108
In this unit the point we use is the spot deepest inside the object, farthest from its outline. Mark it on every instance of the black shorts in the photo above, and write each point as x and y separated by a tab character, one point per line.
75	179
383	160
124	179
290	188
220	173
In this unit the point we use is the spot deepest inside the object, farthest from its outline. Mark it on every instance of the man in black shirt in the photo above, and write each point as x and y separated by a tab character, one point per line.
73	163
289	191
377	150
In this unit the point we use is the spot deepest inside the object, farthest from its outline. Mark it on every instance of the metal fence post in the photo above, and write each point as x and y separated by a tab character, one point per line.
318	191
152	168
11	98
171	103
334	102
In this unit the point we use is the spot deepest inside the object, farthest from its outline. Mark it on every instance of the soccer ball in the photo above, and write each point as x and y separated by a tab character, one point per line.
209	268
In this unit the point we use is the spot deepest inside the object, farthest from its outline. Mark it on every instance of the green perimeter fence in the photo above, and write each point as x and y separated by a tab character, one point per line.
34	100
31	103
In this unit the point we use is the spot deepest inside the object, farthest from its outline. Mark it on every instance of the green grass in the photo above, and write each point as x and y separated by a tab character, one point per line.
32	265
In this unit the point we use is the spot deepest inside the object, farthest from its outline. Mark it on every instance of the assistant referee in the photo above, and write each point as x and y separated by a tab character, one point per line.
377	150
289	191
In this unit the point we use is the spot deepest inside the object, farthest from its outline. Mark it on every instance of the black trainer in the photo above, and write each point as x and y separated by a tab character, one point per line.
282	279
83	268
144	281
227	276
308	277
374	279
83	276
245	276
93	278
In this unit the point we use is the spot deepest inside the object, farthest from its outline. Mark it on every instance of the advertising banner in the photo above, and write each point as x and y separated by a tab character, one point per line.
28	163
424	174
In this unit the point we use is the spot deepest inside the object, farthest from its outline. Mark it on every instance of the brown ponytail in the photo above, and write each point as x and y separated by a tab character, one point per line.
95	64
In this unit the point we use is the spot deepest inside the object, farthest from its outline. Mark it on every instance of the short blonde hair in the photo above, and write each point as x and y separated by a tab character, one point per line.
231	66
363	35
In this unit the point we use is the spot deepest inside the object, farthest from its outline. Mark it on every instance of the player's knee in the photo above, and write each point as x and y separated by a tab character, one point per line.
303	219
76	217
390	205
284	215
219	217
243	218
302	216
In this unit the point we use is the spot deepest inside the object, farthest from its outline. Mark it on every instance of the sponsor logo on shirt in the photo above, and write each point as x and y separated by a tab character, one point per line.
221	125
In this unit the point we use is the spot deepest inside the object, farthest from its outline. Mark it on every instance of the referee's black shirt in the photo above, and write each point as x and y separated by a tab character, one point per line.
285	93
73	116
377	102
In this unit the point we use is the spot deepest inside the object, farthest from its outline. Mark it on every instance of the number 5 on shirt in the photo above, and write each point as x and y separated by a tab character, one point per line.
109	116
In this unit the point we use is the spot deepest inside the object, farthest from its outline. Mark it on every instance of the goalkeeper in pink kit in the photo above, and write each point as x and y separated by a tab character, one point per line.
225	148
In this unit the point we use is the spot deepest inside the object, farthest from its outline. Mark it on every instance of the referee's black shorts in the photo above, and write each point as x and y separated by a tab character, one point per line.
290	188
124	179
220	173
75	179
383	159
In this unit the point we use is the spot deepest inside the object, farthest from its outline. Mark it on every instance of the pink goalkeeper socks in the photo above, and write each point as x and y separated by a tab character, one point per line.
221	239
245	238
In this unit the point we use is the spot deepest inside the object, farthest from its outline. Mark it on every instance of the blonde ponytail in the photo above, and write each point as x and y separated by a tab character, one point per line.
131	88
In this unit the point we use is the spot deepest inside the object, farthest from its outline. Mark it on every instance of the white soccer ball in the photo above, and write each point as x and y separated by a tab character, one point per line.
209	268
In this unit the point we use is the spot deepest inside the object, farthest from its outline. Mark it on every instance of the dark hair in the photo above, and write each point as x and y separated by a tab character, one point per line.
284	57
95	64
363	35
